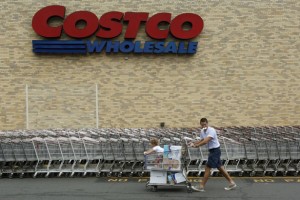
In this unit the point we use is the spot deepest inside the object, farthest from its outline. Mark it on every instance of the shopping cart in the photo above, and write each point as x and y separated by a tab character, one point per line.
167	169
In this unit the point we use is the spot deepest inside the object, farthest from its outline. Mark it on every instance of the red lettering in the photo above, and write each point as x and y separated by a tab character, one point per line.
134	20
111	26
90	28
177	23
152	29
40	21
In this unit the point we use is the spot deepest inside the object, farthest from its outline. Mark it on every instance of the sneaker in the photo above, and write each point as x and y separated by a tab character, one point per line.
198	189
231	187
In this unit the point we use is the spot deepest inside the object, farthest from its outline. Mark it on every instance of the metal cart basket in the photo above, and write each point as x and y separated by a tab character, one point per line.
167	169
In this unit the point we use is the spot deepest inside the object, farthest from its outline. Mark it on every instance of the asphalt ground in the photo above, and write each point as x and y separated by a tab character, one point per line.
134	188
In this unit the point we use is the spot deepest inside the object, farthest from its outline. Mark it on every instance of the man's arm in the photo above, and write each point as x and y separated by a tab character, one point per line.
201	142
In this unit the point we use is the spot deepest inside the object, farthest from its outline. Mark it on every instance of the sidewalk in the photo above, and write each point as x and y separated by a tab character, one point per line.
91	188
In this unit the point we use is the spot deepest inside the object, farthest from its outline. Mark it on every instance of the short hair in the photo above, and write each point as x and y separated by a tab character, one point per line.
154	141
203	120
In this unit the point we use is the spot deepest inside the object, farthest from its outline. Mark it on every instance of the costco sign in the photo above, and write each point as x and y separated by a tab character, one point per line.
111	25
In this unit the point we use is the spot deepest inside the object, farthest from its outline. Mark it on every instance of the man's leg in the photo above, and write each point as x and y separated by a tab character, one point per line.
232	184
204	180
205	177
225	174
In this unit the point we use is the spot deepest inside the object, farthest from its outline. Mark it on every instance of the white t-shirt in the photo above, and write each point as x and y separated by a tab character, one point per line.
210	132
158	149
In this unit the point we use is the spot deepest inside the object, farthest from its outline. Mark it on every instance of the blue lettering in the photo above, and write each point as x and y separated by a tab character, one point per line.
159	47
148	47
137	47
112	46
192	47
181	48
129	46
126	47
171	48
95	47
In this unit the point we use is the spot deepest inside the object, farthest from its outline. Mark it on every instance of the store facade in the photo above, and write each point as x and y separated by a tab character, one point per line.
240	68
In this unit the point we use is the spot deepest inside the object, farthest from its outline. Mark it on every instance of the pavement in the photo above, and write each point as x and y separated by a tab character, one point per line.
133	188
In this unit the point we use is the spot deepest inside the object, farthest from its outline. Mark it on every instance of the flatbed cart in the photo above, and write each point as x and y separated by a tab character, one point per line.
167	169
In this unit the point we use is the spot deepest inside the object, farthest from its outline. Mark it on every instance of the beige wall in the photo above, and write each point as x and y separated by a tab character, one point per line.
246	70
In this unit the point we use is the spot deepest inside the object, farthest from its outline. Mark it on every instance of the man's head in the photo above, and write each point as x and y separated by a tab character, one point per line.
203	123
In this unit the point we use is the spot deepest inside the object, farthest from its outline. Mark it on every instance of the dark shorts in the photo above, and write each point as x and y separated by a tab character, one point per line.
214	158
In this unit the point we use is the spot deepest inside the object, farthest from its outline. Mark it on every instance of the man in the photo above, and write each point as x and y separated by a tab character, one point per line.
208	135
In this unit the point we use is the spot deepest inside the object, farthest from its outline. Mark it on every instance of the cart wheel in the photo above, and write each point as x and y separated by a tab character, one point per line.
140	174
21	175
71	175
284	173
189	189
154	188
252	174
295	173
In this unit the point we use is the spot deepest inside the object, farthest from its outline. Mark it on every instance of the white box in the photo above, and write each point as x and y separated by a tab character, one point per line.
158	177
179	178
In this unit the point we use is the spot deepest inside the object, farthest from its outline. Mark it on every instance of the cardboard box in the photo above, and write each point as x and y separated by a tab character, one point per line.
158	177
172	157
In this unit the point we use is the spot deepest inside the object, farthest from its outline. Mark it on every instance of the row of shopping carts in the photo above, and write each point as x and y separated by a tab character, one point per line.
119	152
76	152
